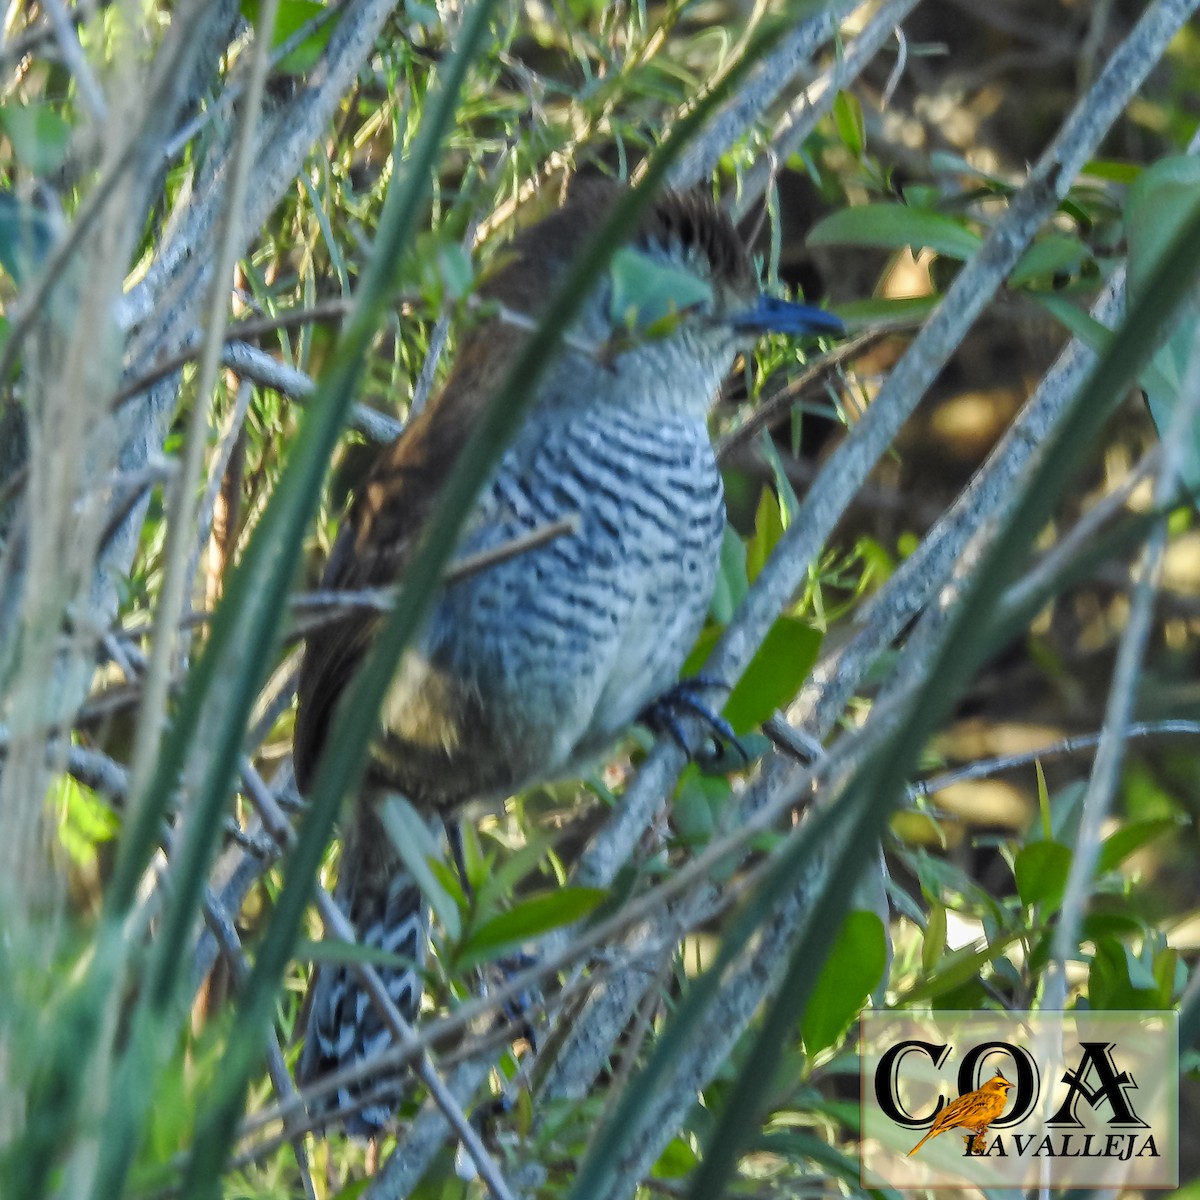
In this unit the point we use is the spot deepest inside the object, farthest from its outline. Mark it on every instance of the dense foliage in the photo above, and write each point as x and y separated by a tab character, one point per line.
957	606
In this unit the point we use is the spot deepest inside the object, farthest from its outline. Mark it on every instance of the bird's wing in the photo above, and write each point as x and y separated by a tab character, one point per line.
378	537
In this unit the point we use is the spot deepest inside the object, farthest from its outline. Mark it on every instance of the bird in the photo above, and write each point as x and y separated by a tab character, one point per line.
974	1111
528	669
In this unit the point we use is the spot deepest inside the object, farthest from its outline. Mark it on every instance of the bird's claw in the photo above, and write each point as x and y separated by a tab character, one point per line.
666	713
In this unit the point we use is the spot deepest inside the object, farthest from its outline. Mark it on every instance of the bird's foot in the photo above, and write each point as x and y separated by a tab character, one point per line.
666	715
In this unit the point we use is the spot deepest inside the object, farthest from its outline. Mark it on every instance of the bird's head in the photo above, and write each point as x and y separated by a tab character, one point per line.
677	303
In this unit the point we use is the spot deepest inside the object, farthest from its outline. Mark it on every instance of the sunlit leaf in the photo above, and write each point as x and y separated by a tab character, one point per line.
1129	838
775	674
537	915
1041	872
895	226
852	971
848	117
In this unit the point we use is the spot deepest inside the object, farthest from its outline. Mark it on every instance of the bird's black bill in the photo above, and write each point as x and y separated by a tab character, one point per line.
771	315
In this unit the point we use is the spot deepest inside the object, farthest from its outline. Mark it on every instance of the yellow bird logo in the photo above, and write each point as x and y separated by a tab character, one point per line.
975	1112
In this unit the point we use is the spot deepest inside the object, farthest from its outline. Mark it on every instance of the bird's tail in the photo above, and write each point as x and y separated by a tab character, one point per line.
922	1142
389	913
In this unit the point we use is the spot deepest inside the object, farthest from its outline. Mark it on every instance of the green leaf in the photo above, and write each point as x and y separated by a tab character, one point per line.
789	505
886	313
1041	870
648	292
895	226
416	847
934	942
677	1160
775	674
497	882
1048	256
1118	846
85	820
769	527
692	812
1097	337
848	120
1159	203
1170	975
457	269
1043	794
529	919
39	136
957	968
732	583
1116	980
290	17
1112	169
851	972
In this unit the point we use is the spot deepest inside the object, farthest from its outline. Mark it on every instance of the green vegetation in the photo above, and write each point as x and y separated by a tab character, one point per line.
237	247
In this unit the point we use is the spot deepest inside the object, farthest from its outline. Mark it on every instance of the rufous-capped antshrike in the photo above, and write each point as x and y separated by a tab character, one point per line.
534	665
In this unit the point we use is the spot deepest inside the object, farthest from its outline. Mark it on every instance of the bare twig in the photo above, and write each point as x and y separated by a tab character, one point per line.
817	100
1077	744
757	94
777	406
254	327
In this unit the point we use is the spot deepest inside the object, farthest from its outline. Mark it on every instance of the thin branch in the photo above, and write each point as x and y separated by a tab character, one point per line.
254	327
777	406
331	605
254	364
816	101
744	109
1077	744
